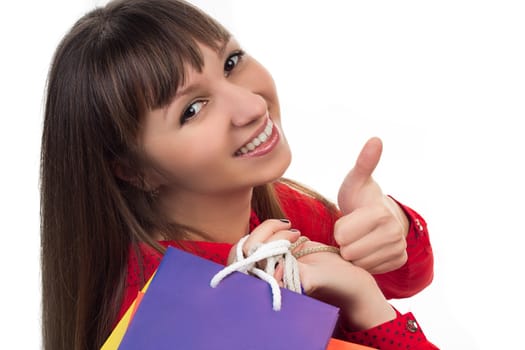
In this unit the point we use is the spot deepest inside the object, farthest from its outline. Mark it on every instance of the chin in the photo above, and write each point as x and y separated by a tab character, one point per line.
278	168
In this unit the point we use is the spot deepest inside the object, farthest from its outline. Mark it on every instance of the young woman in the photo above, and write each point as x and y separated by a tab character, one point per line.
161	131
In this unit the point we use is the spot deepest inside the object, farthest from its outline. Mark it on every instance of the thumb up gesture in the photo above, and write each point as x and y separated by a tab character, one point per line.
372	231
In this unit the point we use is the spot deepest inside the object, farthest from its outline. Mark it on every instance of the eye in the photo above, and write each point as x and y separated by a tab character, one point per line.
232	61
191	111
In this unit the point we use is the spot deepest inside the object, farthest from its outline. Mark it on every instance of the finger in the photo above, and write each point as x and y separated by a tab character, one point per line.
390	265
304	275
360	174
268	231
367	160
289	235
352	227
384	257
374	241
279	274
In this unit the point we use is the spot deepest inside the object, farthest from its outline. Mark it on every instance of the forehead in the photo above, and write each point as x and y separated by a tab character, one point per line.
212	53
211	58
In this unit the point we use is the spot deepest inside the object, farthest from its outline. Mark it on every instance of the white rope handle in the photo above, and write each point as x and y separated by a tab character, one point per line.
272	252
279	251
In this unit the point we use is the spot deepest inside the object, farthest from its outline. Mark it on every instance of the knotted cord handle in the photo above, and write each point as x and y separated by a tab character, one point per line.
311	250
272	253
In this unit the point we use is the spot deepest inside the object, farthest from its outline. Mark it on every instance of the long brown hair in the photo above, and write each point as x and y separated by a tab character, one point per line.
115	64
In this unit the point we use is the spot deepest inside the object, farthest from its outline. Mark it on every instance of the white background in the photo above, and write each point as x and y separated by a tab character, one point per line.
442	83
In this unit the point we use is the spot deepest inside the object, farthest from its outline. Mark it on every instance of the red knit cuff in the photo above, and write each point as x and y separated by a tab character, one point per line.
417	226
403	332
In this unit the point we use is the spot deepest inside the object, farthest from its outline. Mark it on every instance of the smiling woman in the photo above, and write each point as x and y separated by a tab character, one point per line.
442	83
169	134
225	137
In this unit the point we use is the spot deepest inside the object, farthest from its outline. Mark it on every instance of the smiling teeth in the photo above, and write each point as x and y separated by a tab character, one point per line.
259	140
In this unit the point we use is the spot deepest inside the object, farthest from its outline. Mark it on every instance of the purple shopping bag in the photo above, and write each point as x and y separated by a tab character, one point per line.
181	311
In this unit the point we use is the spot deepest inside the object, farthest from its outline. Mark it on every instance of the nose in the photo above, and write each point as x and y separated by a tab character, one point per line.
244	105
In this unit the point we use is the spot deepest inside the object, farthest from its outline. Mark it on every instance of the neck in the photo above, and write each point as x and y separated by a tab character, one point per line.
215	218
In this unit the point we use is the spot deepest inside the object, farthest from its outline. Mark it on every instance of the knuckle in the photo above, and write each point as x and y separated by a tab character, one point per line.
383	214
362	264
397	263
394	234
345	253
403	260
399	259
404	245
245	250
399	243
273	222
338	232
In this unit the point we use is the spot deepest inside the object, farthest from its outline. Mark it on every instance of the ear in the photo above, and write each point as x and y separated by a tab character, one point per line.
148	181
127	174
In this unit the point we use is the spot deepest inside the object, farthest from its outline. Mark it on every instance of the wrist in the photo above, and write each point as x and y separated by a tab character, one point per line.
400	214
368	309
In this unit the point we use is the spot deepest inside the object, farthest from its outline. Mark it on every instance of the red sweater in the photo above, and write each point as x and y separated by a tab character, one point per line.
316	222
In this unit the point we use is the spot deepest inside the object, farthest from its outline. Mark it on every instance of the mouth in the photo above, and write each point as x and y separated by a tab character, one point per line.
258	140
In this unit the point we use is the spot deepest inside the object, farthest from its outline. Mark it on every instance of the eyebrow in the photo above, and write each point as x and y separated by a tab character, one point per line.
223	47
186	90
189	89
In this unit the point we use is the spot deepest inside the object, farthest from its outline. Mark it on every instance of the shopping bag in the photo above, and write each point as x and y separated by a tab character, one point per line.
113	341
336	344
181	311
115	338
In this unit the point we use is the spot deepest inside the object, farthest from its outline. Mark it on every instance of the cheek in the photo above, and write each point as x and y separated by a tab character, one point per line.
189	158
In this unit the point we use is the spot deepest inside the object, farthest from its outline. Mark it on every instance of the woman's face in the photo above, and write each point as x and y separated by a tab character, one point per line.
222	131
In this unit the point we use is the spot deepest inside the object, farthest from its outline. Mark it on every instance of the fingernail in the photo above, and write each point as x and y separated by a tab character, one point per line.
286	221
294	230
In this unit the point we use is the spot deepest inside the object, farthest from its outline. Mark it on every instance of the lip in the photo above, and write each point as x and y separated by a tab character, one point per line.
258	131
267	146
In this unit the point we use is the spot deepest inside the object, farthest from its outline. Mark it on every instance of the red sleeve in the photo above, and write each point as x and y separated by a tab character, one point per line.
403	332
307	214
418	271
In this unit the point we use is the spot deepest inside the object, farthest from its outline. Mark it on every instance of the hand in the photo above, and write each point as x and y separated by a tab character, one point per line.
328	277
268	231
372	231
